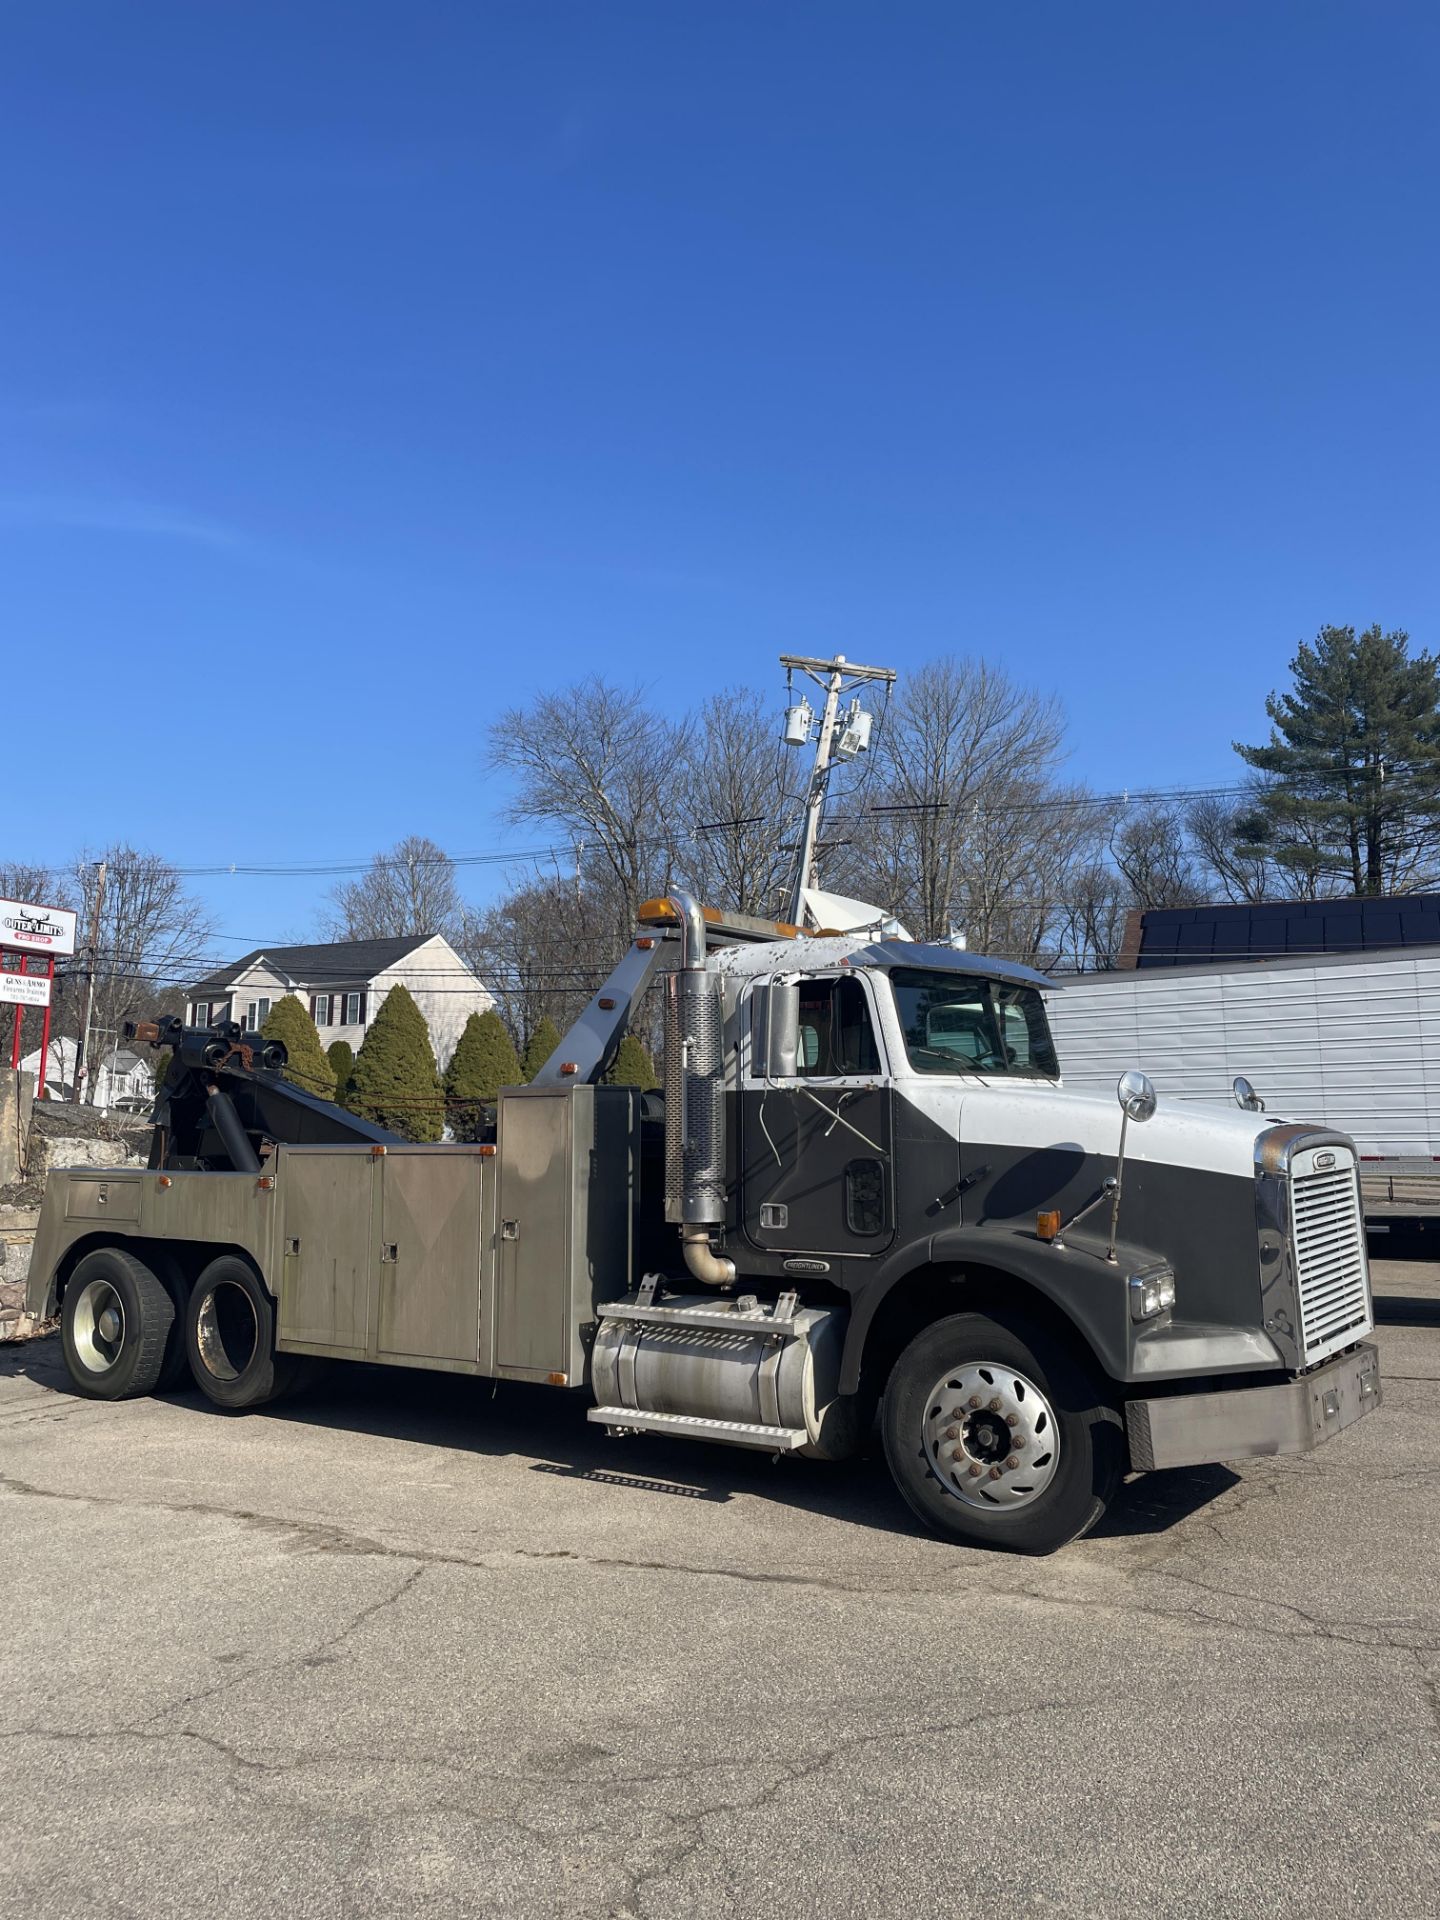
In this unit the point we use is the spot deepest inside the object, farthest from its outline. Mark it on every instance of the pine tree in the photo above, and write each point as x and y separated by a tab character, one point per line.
1353	797
341	1056
307	1066
395	1082
160	1066
539	1047
483	1062
633	1067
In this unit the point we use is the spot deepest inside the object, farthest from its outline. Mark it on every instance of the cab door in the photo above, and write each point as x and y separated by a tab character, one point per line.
815	1147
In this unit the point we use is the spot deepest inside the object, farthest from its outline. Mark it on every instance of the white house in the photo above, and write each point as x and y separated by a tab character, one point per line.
122	1078
342	983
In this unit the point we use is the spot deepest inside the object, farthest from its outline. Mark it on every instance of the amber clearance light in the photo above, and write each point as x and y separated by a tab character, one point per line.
1047	1225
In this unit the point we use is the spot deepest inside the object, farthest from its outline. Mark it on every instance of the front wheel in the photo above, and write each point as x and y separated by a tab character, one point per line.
999	1437
230	1337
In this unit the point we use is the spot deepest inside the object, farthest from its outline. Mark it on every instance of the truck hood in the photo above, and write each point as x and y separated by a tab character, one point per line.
1036	1115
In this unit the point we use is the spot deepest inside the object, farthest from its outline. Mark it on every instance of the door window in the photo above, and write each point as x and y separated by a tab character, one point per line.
837	1037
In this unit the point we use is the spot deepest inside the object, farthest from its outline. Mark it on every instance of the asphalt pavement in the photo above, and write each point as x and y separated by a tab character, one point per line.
415	1646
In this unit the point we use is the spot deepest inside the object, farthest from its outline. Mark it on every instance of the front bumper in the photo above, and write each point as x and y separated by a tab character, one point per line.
1245	1423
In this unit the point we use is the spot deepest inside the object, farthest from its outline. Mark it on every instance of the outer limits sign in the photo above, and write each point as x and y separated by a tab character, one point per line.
30	929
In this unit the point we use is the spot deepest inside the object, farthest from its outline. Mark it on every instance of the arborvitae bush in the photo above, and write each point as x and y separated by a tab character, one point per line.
395	1082
539	1047
308	1067
633	1066
483	1062
341	1056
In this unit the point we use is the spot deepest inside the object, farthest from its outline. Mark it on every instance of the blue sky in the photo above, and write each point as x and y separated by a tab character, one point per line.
368	366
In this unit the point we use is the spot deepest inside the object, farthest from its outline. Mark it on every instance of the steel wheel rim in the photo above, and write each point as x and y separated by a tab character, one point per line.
97	1326
223	1331
991	1437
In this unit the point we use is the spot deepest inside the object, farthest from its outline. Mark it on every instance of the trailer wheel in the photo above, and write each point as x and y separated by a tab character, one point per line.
999	1438
114	1325
230	1337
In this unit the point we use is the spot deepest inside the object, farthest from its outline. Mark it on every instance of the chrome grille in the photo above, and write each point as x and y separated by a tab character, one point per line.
1331	1275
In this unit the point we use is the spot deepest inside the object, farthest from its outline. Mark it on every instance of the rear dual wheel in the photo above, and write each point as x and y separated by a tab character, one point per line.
117	1326
230	1338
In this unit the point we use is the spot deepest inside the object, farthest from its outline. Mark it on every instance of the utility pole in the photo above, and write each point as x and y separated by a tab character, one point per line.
84	1053
837	677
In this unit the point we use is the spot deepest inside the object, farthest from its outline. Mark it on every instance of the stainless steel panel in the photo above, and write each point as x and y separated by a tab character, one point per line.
430	1251
327	1199
564	1223
102	1197
535	1223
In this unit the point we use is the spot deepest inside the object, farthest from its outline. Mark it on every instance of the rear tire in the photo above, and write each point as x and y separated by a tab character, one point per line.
115	1322
230	1337
999	1436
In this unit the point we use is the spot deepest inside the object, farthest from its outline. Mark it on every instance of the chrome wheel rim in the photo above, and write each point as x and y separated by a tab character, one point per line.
97	1326
226	1331
991	1436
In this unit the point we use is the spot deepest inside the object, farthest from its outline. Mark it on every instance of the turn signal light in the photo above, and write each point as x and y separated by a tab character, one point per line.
1047	1225
164	1181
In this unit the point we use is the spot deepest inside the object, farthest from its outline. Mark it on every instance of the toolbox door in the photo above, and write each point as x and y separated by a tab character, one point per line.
326	1195
430	1254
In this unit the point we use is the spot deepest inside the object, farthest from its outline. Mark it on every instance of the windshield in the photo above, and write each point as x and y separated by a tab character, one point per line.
964	1023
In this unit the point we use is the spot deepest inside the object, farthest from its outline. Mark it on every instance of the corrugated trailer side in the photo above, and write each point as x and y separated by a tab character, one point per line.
1352	1042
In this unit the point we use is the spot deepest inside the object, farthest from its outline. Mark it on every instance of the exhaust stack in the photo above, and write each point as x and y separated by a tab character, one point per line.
695	1100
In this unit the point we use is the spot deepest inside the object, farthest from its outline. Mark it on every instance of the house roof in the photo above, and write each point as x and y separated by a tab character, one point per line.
332	963
1275	930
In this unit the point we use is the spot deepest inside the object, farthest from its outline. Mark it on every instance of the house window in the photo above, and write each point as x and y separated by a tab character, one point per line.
354	1009
200	1013
257	1013
320	1009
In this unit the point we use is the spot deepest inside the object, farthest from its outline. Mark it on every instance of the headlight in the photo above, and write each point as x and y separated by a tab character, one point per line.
1151	1294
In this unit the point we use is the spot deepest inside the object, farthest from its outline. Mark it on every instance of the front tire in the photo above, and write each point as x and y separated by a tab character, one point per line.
998	1436
230	1337
115	1322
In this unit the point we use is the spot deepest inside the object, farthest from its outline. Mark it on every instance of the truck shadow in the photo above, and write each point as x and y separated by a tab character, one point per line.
548	1433
1406	1310
551	1431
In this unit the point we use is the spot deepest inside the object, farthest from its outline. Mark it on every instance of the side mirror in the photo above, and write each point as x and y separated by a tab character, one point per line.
1136	1095
1246	1097
775	1029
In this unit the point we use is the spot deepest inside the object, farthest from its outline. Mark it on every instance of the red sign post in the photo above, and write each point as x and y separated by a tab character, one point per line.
31	938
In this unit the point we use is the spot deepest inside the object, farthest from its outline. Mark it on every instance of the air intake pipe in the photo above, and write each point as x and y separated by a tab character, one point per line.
695	1100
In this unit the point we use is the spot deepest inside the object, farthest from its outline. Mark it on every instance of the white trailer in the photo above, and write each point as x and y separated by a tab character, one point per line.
1352	1039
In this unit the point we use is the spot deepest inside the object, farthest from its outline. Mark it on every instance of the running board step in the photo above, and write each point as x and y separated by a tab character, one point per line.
719	1319
691	1426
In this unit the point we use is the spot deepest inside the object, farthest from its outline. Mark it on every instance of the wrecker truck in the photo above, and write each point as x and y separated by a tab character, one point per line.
868	1200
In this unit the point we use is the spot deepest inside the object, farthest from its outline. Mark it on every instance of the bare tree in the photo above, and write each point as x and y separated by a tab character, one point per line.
962	742
408	890
1148	846
1238	863
736	814
542	950
594	761
154	936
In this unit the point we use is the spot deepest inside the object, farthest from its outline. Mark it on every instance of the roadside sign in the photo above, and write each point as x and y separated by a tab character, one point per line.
27	928
24	989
